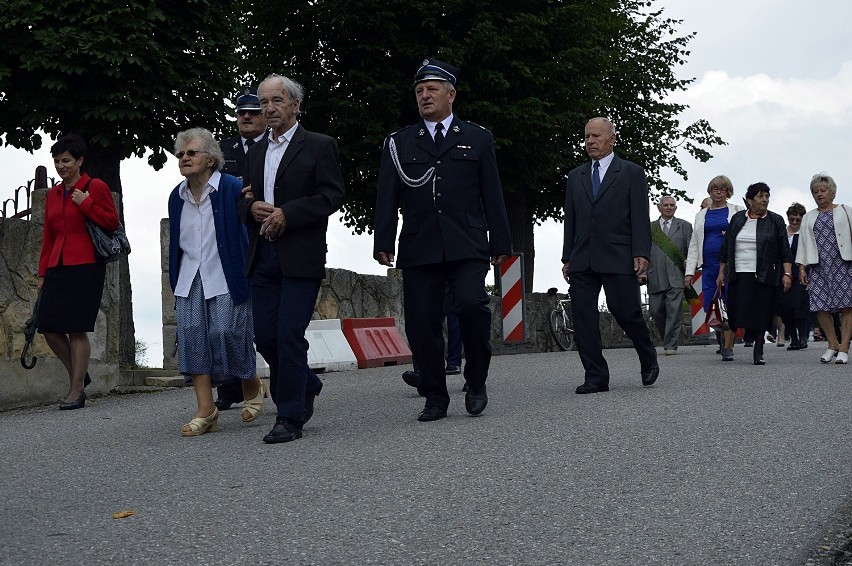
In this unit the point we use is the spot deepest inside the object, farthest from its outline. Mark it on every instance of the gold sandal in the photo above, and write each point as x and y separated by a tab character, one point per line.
200	425
254	406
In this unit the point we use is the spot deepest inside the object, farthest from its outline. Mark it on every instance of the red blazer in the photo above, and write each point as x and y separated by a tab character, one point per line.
65	235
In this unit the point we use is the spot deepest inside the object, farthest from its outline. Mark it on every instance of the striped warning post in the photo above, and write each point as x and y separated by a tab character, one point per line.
512	299
696	311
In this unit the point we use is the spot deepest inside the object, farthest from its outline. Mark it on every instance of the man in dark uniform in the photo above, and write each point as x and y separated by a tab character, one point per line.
443	171
252	126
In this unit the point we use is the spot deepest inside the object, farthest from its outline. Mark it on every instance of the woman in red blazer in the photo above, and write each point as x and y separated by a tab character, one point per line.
70	279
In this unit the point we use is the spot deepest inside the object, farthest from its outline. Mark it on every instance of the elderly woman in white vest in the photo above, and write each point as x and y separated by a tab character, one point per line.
708	233
825	261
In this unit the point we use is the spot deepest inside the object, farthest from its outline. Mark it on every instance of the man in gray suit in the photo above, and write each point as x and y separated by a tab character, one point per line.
607	245
670	238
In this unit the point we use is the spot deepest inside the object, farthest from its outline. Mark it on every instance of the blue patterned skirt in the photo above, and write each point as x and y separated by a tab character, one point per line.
214	336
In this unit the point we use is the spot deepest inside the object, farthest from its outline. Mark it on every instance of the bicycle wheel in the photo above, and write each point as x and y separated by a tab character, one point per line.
559	329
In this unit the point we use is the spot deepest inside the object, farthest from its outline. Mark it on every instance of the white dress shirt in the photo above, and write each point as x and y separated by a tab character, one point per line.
446	122
198	243
274	152
604	162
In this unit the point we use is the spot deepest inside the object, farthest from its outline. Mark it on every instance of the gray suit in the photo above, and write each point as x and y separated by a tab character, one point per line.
665	285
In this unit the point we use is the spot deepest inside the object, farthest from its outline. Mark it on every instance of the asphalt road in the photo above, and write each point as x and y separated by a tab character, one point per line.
718	463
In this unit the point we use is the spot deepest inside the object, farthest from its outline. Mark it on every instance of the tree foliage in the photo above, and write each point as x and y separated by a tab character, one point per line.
532	71
126	76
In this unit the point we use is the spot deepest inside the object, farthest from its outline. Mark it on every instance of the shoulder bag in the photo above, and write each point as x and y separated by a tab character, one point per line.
108	247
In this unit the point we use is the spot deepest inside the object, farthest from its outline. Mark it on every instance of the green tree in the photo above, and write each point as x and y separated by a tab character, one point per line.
532	71
126	76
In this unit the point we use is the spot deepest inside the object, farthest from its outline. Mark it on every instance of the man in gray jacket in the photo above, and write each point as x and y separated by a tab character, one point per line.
670	238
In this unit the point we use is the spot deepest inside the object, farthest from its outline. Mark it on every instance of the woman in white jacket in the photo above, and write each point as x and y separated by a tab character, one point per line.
825	252
708	232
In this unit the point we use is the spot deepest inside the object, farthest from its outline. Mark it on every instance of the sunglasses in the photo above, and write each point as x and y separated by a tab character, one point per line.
189	152
249	112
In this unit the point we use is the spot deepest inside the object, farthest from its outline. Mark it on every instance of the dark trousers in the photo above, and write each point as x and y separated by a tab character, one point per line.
424	289
624	302
454	341
231	391
282	308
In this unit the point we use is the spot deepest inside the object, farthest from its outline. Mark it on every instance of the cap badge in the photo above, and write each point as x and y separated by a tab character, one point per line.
425	62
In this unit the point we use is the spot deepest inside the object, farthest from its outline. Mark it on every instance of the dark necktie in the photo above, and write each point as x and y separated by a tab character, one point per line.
439	134
596	179
249	143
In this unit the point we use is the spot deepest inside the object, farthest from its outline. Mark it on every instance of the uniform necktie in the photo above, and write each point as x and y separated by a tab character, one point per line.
596	179
249	143
439	134
666	227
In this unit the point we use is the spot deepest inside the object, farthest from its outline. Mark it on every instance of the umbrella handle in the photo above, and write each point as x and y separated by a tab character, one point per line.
32	364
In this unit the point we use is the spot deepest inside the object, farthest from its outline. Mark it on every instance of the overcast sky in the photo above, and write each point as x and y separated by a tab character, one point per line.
774	77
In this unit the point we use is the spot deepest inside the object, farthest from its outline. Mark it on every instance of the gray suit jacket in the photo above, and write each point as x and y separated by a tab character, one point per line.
662	272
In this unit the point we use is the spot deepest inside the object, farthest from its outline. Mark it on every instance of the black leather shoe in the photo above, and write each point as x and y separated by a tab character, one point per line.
803	345
411	378
86	380
452	370
590	388
431	414
223	404
79	403
649	376
793	346
309	406
475	401
748	344
283	431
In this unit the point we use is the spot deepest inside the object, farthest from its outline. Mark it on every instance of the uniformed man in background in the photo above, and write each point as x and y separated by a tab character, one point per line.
252	126
443	172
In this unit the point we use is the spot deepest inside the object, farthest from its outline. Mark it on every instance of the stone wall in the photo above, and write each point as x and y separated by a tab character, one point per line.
20	246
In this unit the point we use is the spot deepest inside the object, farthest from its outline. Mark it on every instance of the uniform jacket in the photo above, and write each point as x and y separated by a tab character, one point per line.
663	273
231	237
808	253
65	234
695	257
308	188
604	234
458	214
773	248
235	157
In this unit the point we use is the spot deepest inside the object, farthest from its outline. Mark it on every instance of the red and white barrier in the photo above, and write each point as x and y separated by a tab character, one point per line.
696	311
512	299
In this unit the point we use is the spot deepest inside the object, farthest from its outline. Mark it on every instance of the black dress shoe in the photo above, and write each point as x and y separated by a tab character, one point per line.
283	431
475	401
793	346
803	345
452	370
649	376
411	378
79	403
431	414
223	404
590	388
309	406
86	380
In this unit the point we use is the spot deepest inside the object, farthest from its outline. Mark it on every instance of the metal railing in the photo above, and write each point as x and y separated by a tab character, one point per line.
21	203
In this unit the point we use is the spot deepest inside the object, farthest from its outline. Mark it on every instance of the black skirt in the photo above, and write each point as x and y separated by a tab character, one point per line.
70	298
750	304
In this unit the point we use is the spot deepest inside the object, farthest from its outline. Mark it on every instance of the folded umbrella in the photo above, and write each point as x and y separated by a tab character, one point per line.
30	328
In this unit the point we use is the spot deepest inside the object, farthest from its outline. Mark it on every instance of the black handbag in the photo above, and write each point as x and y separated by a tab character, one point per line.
108	247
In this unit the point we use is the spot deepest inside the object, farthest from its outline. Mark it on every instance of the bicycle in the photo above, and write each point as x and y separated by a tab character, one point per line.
559	322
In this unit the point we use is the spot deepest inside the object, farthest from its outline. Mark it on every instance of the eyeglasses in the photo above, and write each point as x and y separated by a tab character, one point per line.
189	152
249	112
722	189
